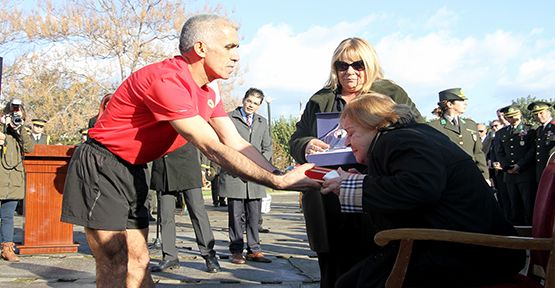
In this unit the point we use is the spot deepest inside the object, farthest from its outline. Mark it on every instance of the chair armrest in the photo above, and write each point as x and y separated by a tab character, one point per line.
524	231
510	242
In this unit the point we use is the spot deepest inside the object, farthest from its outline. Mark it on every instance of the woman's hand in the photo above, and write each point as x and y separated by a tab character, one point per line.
316	145
2	138
334	184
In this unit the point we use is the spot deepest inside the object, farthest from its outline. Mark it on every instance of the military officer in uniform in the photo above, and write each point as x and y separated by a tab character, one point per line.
516	158
37	132
496	173
545	134
453	103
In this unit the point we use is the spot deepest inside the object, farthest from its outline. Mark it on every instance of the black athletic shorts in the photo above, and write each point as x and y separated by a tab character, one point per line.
104	192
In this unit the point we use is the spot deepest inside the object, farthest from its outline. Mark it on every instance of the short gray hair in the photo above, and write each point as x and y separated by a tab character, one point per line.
201	28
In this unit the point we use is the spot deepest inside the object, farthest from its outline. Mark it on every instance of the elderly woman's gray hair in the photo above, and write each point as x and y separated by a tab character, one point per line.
374	111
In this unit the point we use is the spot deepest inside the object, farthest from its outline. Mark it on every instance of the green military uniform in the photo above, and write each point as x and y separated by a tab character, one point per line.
464	134
545	138
40	138
517	147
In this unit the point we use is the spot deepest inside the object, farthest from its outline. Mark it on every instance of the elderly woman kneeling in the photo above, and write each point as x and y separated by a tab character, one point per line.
418	178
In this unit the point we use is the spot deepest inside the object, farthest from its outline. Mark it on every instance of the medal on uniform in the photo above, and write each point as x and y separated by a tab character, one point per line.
522	143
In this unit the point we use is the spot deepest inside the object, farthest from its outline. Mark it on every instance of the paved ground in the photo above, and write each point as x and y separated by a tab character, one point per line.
294	264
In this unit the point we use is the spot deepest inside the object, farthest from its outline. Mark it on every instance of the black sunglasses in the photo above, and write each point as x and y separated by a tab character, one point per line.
344	66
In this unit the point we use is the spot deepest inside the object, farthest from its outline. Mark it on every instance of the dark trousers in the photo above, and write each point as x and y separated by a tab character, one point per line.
501	192
522	196
350	237
199	220
243	214
436	264
215	190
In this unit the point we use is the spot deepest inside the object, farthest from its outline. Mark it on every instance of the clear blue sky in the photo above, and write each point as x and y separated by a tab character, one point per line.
495	50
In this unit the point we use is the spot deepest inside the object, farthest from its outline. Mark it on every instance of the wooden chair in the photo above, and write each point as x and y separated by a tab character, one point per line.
541	244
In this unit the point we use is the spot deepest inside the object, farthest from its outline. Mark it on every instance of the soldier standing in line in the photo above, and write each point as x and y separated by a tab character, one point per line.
495	172
453	103
175	173
37	132
516	158
545	134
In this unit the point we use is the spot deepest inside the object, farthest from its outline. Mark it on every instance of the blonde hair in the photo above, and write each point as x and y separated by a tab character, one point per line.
356	48
374	111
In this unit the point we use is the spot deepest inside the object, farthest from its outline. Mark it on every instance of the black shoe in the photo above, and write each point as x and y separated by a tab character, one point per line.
263	230
212	265
223	204
216	204
165	265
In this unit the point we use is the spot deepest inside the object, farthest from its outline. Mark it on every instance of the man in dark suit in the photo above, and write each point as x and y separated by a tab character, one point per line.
545	134
180	172
515	154
485	136
244	198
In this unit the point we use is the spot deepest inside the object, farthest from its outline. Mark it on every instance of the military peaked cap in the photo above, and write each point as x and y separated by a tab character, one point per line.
512	111
538	106
39	122
452	94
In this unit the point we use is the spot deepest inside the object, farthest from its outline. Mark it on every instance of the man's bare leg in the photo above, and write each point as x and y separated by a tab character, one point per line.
121	258
138	274
109	249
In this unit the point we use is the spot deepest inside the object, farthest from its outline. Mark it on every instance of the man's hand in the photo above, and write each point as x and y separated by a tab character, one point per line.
316	145
514	169
2	138
297	180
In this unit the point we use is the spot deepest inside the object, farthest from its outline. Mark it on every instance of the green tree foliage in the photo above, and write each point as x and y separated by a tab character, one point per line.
523	103
282	129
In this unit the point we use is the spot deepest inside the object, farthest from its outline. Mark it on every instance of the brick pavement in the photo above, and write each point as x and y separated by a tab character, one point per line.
293	263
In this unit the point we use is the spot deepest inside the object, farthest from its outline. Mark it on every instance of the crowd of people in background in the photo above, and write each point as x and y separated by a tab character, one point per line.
498	165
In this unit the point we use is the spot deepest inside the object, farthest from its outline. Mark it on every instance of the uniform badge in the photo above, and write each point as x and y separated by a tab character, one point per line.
522	143
210	103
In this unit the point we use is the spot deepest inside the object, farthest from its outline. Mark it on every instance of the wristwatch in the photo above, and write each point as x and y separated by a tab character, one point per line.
278	172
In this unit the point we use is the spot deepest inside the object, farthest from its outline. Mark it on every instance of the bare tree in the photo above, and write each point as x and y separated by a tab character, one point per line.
69	55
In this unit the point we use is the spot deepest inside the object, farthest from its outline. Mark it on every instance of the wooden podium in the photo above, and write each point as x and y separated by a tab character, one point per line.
43	232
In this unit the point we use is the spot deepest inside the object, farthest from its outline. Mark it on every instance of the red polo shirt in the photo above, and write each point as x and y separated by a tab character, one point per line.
135	124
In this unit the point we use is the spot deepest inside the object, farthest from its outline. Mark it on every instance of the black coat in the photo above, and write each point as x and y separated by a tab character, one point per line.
544	144
177	171
417	177
516	146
